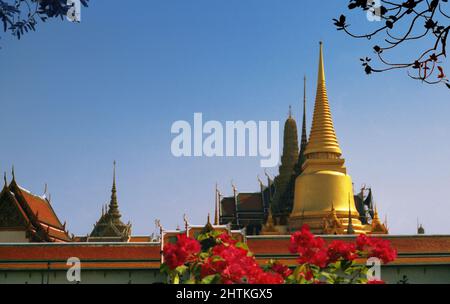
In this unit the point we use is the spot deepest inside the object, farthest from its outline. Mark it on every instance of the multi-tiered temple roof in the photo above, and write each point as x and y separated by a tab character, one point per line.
30	214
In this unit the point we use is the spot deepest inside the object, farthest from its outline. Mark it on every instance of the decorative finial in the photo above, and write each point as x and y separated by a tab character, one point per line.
216	206
267	174
159	226
5	180
45	188
234	187
208	227
290	111
114	172
13	173
186	222
304	92
259	180
113	204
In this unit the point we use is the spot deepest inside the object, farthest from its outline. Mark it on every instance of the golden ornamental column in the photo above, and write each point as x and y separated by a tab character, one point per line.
324	185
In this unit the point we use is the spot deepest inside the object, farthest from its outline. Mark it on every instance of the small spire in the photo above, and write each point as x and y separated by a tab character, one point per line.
321	75
304	136
208	227
261	183
216	204
186	222
13	173
45	188
375	212
159	226
290	111
114	205
350	229
5	180
234	187
114	174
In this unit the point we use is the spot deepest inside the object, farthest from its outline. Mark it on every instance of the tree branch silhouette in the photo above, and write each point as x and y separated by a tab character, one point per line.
425	20
21	16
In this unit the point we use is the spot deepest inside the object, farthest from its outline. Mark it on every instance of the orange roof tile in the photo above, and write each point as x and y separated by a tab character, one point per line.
41	206
83	251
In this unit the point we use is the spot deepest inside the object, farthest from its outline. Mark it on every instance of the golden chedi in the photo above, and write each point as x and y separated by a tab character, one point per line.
324	184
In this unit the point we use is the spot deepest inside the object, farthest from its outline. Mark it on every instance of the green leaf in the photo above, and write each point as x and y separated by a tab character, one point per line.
176	279
242	245
164	268
211	279
181	269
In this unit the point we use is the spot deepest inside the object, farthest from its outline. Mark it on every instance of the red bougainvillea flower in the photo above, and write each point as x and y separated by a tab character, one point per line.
375	247
309	248
184	250
281	269
381	249
362	241
236	265
171	257
376	282
341	250
231	262
268	278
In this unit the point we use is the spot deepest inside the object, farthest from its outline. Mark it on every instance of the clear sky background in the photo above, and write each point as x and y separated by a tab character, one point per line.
75	97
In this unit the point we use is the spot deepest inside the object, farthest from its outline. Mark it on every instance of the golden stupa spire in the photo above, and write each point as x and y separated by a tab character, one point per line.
322	138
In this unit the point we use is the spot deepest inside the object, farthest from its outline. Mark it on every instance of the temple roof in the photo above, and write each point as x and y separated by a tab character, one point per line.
246	202
38	216
41	207
250	202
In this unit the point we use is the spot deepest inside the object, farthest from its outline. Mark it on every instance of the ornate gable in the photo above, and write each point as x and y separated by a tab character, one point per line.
11	214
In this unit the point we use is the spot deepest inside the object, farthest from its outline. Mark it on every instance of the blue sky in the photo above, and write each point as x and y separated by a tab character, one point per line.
75	97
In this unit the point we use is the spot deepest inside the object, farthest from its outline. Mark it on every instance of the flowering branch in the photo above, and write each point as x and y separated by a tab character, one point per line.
218	258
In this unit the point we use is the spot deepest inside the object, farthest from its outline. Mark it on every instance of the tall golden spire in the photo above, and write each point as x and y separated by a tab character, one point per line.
322	139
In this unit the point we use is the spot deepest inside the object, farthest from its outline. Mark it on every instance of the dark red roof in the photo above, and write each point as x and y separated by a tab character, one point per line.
250	202
228	206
